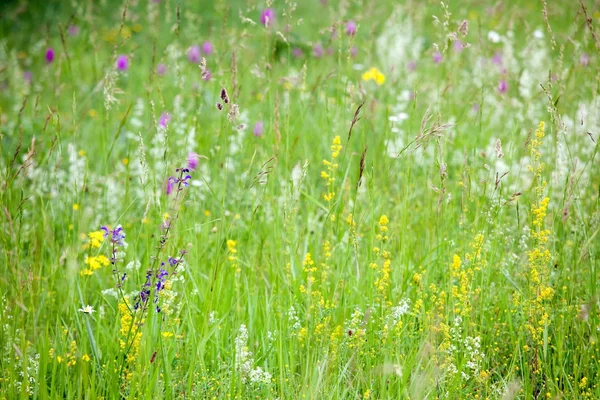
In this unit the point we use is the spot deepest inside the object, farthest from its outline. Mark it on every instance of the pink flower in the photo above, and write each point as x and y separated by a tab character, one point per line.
258	129
27	76
503	86
73	30
122	63
318	50
267	16
192	161
164	120
297	52
584	59
207	48
161	69
194	54
49	55
350	28
437	57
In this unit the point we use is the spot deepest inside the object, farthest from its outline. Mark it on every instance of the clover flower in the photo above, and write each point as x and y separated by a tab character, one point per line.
161	69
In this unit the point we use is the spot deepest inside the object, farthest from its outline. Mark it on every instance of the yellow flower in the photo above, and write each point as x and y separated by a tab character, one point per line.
95	239
374	75
75	207
85	358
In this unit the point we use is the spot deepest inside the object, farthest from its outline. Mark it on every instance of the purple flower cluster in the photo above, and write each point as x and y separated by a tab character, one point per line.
180	182
117	239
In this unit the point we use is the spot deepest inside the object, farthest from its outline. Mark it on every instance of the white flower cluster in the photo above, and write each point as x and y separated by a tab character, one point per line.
244	361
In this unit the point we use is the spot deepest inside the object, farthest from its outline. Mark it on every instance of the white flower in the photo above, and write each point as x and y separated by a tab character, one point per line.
493	36
87	310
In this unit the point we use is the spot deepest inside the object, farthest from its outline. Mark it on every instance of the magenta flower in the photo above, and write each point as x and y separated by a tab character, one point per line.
350	28
258	129
49	55
192	161
437	57
267	17
207	48
584	59
161	69
164	120
317	50
297	52
194	54
503	86
122	63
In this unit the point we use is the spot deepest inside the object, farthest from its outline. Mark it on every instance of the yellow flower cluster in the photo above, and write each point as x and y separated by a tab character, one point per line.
231	247
70	357
94	263
374	74
95	240
130	333
384	270
539	256
331	166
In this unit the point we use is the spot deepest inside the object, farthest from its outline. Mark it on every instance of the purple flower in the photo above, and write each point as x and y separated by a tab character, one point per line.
207	48
206	74
181	182
49	55
297	52
258	129
350	28
122	63
27	76
194	54
584	59
437	57
353	51
192	161
161	69
267	16
117	236
503	86
73	30
164	120
317	50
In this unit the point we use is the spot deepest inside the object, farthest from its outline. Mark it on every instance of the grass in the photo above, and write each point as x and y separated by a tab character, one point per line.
426	230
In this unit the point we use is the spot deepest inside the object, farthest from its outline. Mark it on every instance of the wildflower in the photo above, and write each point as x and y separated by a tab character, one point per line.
122	63
85	358
161	69
584	59
297	52
267	16
194	54
493	37
192	161
458	46
317	50
258	129
350	28
375	75
117	236
27	76
95	239
73	30
207	48
502	86
437	57
497	59
87	310
353	51
164	120
75	207
49	55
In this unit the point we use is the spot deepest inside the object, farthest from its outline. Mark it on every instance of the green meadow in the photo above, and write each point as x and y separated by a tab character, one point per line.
314	200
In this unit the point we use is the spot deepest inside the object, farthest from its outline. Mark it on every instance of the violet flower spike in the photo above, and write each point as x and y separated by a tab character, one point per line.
267	17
